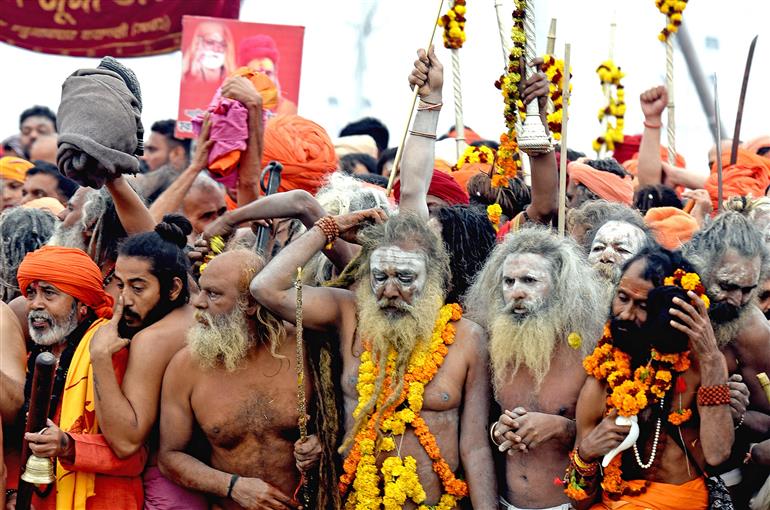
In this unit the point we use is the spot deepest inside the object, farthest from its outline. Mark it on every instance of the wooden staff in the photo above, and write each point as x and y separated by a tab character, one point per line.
39	402
765	382
400	150
550	48
501	31
563	158
670	125
303	492
741	101
719	147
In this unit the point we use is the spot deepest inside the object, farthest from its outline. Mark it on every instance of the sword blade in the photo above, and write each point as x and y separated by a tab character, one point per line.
741	101
719	146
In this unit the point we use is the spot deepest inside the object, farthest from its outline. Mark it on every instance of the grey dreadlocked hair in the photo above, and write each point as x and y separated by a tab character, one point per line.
623	214
729	230
595	213
22	230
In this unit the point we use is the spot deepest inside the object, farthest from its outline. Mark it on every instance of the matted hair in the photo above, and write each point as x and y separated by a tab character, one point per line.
22	230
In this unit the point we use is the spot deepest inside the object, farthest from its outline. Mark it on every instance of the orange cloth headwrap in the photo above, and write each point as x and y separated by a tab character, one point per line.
750	175
14	169
605	184
71	271
303	148
672	227
758	143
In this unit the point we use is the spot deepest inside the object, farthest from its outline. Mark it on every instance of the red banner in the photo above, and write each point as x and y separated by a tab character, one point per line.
95	28
213	48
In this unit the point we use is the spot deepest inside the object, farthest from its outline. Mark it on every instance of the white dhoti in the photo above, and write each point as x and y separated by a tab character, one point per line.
507	506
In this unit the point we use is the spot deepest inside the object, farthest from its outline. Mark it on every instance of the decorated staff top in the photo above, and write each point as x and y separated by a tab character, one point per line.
454	25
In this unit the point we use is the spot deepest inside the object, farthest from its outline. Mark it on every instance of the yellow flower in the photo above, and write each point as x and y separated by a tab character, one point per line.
575	340
690	281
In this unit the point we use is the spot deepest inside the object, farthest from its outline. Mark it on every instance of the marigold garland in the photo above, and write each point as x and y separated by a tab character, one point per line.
481	154
554	71
454	25
508	157
673	10
401	481
610	76
217	246
494	211
630	394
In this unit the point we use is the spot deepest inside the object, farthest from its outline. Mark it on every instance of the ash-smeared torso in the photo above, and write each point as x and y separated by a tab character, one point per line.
441	411
250	417
529	475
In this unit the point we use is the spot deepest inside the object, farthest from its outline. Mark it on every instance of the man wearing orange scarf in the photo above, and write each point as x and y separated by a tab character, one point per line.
65	308
607	184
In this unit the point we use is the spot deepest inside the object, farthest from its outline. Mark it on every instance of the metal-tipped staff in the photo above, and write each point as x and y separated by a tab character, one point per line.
400	150
741	101
563	158
719	146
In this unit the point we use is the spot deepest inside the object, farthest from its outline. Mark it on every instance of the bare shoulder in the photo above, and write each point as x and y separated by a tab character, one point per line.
19	308
9	321
168	333
753	340
472	340
183	369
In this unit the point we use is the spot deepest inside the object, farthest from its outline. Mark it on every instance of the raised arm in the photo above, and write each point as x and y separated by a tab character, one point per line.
545	176
171	200
419	150
323	307
475	452
250	167
133	214
653	102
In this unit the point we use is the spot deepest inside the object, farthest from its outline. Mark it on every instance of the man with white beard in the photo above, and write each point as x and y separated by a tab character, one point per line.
542	308
732	258
236	379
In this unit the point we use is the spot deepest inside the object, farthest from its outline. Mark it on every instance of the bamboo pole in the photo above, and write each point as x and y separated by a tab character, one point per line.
670	125
563	158
501	31
400	150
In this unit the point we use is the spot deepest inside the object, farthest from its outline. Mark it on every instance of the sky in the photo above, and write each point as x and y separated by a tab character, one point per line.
347	75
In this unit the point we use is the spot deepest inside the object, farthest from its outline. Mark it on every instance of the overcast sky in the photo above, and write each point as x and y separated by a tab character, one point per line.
334	90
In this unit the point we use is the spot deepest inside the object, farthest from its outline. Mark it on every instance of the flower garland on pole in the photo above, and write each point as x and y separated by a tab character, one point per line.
610	76
554	71
399	475
454	37
508	161
673	10
631	392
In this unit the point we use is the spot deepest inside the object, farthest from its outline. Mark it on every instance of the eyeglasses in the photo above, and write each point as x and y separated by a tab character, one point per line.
213	43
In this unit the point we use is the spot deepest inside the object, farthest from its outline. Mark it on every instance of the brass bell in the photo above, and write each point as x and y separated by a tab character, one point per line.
39	471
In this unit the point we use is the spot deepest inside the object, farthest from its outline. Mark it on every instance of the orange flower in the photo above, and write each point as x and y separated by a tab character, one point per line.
680	416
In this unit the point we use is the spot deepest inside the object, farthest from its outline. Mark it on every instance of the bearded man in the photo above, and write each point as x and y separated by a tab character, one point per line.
731	255
393	337
668	380
66	309
536	297
236	380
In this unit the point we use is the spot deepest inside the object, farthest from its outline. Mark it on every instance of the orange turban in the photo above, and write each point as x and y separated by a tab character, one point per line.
758	143
303	148
750	175
71	271
14	169
607	185
443	186
672	227
468	170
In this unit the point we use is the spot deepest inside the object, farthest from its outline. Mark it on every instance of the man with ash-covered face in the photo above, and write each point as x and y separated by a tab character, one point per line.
541	305
732	258
387	332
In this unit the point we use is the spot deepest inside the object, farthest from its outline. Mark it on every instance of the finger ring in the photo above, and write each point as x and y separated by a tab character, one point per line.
42	432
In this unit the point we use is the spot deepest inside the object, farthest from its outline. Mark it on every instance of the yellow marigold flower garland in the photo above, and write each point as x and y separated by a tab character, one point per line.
630	394
554	71
399	475
454	25
610	76
494	211
508	157
673	10
217	246
481	154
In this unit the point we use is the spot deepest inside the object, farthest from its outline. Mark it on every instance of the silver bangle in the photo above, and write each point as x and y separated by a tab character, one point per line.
492	434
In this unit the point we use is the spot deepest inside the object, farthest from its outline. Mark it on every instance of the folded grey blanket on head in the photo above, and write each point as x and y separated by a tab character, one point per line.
99	124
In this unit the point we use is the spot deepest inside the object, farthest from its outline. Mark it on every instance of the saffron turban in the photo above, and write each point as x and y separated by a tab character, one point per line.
14	169
672	227
303	148
606	185
468	171
443	186
257	46
99	123
750	175
71	271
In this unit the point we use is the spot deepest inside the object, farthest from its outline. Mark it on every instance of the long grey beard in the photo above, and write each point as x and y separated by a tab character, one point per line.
68	237
726	332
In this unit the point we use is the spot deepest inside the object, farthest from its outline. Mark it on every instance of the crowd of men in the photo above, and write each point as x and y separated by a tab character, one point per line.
444	347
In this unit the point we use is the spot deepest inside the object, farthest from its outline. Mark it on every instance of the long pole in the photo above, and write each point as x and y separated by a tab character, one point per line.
458	94
719	146
563	158
501	31
400	150
670	125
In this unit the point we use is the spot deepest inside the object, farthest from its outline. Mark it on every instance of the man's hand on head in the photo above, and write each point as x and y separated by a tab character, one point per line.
350	224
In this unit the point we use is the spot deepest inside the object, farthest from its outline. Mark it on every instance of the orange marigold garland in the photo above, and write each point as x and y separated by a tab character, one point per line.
508	157
454	25
631	393
399	475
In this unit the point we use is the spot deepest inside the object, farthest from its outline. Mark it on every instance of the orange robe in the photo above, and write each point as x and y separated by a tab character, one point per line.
118	483
692	495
